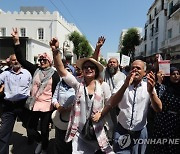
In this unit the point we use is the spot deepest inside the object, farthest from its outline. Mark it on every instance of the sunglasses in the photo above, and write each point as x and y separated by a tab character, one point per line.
90	66
44	60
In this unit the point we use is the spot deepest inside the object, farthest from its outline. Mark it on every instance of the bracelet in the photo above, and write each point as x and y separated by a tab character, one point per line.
56	50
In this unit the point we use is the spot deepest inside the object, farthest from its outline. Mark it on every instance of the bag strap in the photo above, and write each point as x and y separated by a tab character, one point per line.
42	86
91	106
59	88
36	92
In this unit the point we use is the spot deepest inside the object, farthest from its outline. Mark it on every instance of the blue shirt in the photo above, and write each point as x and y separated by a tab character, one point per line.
16	85
72	69
63	95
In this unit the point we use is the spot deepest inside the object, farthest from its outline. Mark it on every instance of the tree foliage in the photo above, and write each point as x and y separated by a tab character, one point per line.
130	40
103	61
81	45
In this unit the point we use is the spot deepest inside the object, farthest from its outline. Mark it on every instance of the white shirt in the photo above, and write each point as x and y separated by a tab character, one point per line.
113	81
133	117
74	82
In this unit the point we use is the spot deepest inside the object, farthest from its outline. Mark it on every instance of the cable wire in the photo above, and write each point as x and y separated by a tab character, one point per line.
69	14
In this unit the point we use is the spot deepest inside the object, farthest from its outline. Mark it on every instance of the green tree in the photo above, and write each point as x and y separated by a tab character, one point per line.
130	40
103	61
81	45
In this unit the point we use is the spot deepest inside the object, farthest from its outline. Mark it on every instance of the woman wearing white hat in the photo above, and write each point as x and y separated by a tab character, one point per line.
91	96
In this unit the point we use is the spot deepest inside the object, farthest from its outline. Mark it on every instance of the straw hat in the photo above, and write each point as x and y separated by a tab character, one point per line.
60	120
80	62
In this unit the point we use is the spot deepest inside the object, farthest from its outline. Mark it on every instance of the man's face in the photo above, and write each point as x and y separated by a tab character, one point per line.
14	63
138	67
112	65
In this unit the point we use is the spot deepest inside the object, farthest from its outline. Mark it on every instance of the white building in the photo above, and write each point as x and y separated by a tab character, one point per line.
162	30
171	45
38	26
155	27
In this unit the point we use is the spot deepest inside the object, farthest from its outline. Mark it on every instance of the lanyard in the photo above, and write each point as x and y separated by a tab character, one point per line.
133	104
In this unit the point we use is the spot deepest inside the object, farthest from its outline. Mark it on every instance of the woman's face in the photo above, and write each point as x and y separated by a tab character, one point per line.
174	77
44	63
89	69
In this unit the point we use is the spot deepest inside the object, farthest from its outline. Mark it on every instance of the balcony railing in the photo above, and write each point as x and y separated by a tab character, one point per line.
175	8
157	11
175	39
163	43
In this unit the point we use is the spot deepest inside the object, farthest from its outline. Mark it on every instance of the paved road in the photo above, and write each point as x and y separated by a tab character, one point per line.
18	142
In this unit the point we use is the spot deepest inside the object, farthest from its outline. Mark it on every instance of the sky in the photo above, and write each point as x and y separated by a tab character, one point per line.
94	18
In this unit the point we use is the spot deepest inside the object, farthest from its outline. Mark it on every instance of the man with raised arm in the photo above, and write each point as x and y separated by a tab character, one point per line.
133	97
111	74
44	82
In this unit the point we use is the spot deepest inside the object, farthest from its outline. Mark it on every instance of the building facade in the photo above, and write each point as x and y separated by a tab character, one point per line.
37	26
162	31
170	47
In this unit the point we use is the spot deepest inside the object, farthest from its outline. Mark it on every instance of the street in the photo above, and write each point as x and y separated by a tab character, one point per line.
18	142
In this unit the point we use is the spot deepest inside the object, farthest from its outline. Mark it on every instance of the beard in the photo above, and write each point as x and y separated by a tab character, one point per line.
16	66
112	70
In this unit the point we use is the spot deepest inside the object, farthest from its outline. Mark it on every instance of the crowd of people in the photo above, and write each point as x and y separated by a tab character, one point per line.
115	104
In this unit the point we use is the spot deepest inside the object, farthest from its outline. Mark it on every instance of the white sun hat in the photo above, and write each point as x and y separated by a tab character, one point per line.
60	120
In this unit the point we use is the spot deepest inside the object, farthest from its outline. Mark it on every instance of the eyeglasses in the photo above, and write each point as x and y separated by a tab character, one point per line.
44	60
90	66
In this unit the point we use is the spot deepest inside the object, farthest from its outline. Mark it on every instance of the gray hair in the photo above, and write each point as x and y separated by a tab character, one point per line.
145	66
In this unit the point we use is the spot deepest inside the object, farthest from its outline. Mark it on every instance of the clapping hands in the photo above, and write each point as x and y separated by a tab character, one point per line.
150	82
160	77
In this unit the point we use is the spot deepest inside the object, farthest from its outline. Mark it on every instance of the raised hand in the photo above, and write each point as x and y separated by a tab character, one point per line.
100	42
15	36
130	78
160	76
54	44
150	82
